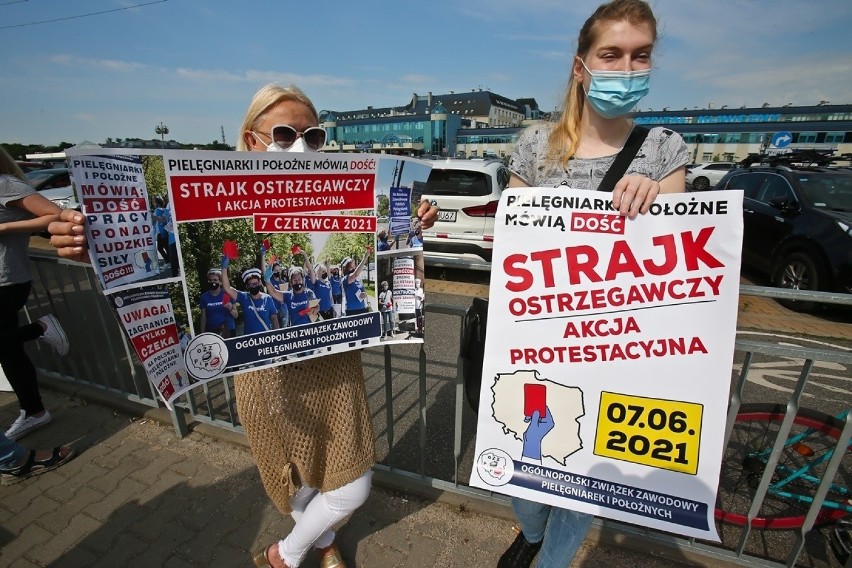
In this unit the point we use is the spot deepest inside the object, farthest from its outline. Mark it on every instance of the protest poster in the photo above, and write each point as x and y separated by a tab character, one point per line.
303	225
606	389
399	229
400	210
113	193
148	318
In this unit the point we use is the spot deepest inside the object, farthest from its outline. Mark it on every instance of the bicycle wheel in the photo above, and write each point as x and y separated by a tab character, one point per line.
755	430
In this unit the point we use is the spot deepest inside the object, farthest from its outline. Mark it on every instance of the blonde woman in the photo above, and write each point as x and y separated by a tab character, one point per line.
307	423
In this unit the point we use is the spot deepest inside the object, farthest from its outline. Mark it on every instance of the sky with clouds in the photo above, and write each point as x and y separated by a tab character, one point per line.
93	69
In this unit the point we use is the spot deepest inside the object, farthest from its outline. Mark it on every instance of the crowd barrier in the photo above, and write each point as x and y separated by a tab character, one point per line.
424	428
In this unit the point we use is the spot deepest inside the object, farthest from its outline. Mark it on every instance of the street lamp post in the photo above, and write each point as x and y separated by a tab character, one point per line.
162	130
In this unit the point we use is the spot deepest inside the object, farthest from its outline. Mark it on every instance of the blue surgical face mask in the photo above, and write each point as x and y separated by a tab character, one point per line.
615	93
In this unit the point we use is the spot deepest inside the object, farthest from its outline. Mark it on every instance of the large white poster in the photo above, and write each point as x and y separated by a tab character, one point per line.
217	262
605	389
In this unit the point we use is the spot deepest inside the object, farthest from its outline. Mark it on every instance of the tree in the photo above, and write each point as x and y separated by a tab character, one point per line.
383	206
155	176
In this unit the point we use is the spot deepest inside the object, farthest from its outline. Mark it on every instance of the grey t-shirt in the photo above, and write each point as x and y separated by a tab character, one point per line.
662	152
14	260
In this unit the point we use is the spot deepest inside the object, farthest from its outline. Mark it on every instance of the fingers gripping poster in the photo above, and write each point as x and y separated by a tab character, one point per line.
606	389
218	262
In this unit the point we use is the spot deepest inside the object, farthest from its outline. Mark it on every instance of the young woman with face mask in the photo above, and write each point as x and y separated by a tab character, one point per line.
322	287
353	288
259	311
610	74
296	297
218	312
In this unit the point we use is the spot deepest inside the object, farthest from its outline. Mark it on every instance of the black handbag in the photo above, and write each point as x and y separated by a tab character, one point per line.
472	347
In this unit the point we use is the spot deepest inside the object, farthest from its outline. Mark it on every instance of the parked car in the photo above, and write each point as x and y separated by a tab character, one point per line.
797	225
702	177
467	193
55	184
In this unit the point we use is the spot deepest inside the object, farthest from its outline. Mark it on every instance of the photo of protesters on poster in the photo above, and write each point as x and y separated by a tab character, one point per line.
398	192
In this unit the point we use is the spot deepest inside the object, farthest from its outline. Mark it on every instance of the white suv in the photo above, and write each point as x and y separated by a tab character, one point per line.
467	192
702	177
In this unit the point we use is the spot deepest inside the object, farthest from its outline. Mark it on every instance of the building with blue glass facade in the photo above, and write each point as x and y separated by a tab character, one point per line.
431	125
482	123
732	134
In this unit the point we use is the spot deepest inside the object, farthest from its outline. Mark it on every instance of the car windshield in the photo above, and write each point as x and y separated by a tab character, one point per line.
38	176
457	182
831	191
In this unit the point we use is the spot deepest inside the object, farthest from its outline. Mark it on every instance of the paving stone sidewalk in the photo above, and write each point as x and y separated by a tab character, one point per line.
138	496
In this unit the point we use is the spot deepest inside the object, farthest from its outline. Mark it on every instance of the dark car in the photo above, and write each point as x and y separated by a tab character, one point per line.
797	223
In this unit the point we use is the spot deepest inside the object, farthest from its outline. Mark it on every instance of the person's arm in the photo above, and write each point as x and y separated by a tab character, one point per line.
354	276
272	291
309	268
203	317
68	235
515	181
313	310
43	210
266	270
226	284
273	317
675	182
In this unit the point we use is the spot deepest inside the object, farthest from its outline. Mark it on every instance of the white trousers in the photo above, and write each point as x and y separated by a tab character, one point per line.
315	513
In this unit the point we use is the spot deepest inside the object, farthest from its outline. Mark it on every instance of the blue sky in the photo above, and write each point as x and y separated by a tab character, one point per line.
194	64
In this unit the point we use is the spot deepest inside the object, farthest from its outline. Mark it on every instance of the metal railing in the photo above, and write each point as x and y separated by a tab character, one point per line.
416	398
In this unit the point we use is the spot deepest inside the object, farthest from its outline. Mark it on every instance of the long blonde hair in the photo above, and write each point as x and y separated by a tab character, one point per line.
8	166
264	99
565	137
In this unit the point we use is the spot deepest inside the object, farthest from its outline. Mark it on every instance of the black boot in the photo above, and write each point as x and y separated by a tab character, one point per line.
520	554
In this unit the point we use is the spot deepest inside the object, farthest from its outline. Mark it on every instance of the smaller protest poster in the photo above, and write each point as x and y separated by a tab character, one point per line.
400	210
119	222
402	271
148	319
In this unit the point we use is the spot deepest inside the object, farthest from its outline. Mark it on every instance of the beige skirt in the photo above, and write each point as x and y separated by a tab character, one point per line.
307	424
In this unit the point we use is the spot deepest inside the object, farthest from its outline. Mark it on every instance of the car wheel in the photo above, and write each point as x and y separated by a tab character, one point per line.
701	183
797	271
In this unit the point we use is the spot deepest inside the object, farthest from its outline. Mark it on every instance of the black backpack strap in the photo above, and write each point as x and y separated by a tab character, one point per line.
623	159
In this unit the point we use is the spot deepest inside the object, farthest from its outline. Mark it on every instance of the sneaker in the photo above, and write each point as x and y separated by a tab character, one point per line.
53	334
24	424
